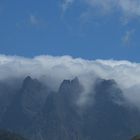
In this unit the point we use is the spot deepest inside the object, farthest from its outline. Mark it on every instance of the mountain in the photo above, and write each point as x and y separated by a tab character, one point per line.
39	113
6	135
108	118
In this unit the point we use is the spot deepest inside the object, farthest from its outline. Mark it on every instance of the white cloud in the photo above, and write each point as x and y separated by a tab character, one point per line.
54	70
130	7
127	38
105	5
66	4
66	67
127	8
34	20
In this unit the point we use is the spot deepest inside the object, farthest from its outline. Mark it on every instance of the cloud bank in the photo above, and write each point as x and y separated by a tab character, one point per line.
127	8
54	70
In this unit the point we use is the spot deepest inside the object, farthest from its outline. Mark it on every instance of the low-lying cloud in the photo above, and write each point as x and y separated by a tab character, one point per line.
54	70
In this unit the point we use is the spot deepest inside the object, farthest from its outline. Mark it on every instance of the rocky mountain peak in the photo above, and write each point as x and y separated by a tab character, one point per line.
70	84
29	83
107	90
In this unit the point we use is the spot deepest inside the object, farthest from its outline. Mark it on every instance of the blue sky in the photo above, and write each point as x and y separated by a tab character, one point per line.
91	29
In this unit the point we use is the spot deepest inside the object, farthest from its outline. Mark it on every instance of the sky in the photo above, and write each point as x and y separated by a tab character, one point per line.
90	29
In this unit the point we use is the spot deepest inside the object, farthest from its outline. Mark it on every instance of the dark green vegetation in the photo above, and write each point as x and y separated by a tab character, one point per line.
6	135
33	110
136	137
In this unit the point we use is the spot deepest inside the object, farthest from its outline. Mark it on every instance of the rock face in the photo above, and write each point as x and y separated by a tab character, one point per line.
39	113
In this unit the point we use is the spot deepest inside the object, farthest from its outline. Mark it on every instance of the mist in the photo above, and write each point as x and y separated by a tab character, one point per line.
53	70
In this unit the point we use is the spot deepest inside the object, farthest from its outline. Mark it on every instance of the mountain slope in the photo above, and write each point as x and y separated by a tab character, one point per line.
6	135
40	113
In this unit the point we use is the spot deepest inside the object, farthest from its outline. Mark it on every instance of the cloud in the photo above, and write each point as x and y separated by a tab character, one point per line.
130	7
33	20
104	5
53	70
66	4
127	38
127	8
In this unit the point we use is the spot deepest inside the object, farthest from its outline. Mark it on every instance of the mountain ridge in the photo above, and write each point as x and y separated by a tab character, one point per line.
36	112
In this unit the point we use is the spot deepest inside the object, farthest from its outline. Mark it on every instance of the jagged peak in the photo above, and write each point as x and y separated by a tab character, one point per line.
107	90
29	81
75	79
107	82
68	83
71	86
